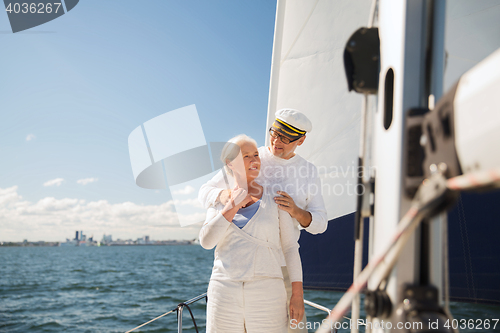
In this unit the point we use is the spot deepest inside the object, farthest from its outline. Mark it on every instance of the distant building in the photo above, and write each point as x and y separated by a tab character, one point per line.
107	239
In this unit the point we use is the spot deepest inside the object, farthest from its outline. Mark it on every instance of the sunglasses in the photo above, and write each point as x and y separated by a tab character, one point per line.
282	138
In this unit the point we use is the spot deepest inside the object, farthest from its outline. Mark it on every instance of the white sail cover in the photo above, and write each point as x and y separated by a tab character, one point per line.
308	75
472	33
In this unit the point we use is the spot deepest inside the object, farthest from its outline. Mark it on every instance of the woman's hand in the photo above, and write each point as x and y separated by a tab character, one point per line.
239	197
224	196
296	308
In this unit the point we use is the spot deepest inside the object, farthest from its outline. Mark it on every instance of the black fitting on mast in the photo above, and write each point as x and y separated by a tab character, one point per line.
414	153
377	303
430	140
362	61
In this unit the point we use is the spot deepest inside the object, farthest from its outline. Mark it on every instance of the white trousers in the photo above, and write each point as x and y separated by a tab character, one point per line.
257	306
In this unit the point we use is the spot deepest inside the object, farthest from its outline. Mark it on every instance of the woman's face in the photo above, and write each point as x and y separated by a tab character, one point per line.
251	161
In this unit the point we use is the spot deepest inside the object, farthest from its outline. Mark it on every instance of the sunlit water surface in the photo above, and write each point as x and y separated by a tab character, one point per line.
114	289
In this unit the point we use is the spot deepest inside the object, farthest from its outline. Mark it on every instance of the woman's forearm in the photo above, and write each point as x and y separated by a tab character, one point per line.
297	289
297	302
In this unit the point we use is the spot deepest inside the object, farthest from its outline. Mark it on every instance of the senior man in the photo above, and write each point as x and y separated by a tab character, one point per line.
294	180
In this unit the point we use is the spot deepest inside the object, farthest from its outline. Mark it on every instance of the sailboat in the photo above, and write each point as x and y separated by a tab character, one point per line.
308	74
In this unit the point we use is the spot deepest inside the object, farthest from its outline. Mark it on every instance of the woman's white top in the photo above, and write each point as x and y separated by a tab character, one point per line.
255	251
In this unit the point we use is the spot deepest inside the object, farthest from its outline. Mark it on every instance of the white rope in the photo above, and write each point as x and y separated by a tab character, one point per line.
166	313
474	180
321	307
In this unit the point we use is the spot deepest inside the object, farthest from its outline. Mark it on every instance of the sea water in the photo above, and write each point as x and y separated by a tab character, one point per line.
116	288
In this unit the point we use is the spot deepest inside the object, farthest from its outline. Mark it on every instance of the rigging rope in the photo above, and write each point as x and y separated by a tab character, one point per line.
373	13
192	317
166	313
474	180
179	306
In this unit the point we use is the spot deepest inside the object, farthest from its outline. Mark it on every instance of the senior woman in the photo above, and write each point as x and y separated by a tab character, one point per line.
253	237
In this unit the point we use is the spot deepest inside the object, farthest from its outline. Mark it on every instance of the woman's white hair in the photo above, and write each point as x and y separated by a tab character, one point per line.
232	149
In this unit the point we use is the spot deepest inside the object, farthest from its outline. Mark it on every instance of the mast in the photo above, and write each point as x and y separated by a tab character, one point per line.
411	71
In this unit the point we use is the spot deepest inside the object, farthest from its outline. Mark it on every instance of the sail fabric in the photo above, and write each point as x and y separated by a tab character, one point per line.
327	259
474	249
308	75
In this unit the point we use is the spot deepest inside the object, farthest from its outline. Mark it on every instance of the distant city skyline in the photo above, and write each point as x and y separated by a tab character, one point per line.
80	236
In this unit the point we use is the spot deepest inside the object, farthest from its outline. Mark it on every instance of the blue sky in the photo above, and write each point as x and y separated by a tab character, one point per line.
74	88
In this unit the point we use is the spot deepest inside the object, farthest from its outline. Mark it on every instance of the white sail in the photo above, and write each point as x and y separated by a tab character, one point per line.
308	75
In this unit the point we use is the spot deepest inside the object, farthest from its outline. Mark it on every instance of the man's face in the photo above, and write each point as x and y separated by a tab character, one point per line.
285	151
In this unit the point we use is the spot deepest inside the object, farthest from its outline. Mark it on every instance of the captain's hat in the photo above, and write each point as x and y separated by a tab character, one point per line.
292	123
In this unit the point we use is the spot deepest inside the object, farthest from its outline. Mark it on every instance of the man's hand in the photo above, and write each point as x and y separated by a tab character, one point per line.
224	196
286	203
